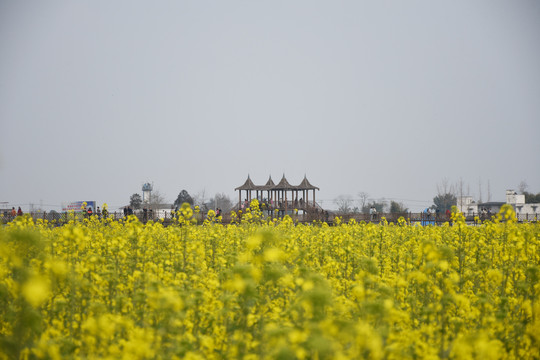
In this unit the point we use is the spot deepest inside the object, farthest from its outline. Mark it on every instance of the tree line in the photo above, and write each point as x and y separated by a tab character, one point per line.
157	201
447	195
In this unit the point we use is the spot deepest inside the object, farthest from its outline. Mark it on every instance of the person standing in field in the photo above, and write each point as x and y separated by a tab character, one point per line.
373	212
19	212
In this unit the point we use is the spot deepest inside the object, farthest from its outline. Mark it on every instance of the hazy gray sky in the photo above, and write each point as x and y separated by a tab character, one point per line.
384	97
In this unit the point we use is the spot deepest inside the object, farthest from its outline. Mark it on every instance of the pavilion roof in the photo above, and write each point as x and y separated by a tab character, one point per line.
284	185
248	185
269	184
306	185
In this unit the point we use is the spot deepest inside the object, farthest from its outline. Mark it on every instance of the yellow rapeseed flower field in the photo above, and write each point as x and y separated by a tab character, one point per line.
269	289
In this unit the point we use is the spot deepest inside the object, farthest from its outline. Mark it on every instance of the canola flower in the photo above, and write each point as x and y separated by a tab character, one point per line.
269	289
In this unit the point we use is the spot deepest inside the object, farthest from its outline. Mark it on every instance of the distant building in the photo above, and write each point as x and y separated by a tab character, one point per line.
147	192
518	202
469	207
466	204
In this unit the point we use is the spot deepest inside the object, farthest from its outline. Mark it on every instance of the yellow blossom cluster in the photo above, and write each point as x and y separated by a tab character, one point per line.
269	289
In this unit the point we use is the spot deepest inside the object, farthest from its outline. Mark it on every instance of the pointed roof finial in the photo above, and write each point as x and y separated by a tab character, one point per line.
248	185
284	184
306	185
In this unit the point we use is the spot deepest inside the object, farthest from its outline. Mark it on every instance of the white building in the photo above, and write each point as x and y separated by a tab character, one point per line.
466	204
518	202
469	207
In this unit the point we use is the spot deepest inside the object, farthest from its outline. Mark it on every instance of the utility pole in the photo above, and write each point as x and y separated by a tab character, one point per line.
461	194
479	190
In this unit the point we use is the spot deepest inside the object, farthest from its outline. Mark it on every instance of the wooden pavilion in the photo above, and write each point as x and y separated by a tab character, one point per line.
282	196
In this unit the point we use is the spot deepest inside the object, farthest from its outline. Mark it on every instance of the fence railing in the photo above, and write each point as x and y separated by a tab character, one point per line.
168	217
64	217
429	219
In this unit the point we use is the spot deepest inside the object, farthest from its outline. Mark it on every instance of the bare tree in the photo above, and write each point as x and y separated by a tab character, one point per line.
522	187
460	192
156	200
444	187
200	198
362	199
221	201
344	204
